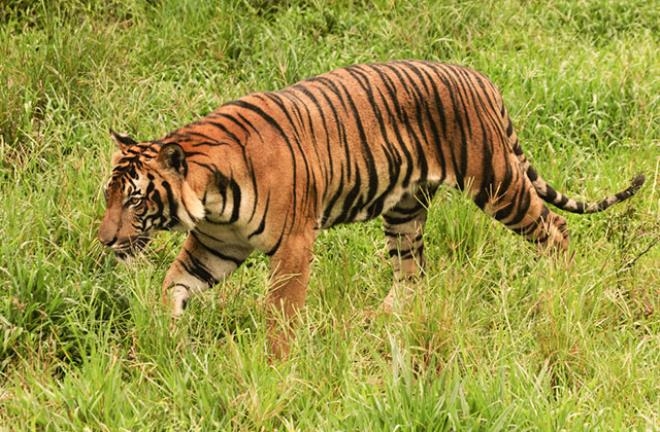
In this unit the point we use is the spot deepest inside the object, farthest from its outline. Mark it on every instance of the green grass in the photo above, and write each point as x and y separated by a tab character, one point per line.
497	338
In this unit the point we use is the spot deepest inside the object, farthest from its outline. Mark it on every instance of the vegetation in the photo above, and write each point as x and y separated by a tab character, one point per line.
498	338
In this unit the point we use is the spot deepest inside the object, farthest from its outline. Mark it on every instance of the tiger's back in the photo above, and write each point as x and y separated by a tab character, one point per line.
353	142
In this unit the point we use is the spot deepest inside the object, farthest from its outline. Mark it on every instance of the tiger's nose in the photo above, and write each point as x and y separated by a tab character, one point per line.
107	237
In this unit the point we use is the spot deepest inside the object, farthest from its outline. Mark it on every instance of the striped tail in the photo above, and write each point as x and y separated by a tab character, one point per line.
558	199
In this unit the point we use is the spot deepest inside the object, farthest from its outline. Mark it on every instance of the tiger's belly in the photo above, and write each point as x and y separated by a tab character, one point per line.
348	210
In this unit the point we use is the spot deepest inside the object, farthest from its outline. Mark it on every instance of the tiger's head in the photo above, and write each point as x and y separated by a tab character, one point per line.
147	192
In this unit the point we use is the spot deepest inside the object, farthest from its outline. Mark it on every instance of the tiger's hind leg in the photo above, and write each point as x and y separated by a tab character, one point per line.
516	204
404	230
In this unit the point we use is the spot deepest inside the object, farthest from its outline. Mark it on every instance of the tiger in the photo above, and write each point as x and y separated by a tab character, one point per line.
268	171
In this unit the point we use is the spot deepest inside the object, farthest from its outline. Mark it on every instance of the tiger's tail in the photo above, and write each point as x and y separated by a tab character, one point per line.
559	200
550	195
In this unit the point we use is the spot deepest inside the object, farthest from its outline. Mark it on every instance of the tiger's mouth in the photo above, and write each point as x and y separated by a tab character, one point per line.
130	247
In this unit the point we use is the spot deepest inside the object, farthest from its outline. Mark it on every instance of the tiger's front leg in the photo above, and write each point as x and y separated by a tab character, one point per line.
290	269
203	262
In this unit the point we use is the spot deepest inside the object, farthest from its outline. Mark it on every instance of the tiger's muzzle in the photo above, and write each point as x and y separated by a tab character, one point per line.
126	247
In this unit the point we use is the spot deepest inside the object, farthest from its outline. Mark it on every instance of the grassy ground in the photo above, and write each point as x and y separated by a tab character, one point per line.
497	339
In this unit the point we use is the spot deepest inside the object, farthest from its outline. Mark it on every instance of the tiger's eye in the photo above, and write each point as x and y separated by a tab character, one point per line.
134	200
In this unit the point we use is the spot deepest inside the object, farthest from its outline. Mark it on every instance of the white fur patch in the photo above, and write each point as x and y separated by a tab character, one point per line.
191	209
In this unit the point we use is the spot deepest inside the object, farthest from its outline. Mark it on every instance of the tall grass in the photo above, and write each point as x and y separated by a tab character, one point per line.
497	338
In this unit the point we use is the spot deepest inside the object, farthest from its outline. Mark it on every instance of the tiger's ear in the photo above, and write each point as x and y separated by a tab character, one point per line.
123	141
171	156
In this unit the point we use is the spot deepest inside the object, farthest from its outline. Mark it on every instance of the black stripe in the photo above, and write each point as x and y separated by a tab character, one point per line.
456	113
308	180
402	254
487	175
197	269
405	120
234	120
298	102
329	169
208	144
393	102
467	129
390	155
403	219
188	134
174	218
273	123
523	201
214	252
224	129
424	76
341	128
236	196
262	225
211	168
250	125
